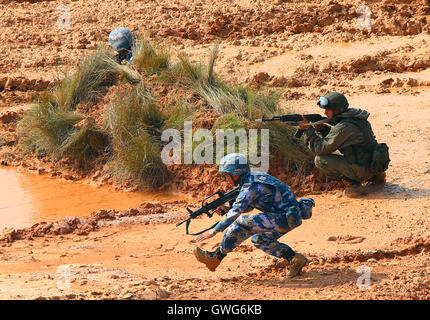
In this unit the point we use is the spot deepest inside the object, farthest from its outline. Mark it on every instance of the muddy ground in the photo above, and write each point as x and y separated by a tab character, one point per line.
139	253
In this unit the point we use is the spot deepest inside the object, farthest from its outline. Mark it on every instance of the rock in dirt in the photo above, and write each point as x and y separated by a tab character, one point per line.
426	170
8	116
162	294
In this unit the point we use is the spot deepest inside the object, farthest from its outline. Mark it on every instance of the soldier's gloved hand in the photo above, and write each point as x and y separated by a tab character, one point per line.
222	210
205	235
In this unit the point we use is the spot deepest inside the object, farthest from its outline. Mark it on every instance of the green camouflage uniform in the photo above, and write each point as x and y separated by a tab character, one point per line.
352	135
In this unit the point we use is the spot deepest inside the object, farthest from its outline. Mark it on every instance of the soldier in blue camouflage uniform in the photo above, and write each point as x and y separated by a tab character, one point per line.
281	213
122	41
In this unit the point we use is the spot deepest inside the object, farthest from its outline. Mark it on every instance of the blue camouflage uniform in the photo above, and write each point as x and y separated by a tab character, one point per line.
281	213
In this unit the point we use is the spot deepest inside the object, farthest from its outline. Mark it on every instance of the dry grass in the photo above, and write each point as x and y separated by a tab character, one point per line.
93	76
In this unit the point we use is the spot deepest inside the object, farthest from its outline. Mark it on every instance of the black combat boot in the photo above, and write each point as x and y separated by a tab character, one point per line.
378	180
211	259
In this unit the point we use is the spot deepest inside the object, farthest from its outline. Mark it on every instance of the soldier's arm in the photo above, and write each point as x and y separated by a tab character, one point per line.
340	136
247	195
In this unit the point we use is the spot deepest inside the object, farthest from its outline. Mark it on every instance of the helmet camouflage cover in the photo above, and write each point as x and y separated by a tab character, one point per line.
235	164
334	100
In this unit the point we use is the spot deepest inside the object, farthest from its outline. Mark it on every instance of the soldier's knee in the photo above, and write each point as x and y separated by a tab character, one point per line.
257	239
320	162
244	222
325	163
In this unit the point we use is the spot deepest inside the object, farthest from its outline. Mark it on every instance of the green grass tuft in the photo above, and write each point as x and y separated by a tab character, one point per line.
282	140
48	131
149	59
230	121
44	127
134	120
84	143
178	112
96	72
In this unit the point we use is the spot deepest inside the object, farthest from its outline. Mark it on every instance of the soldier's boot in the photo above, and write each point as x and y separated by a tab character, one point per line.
296	265
379	179
211	259
353	189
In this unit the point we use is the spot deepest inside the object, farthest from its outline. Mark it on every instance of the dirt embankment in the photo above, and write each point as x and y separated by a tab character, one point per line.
147	212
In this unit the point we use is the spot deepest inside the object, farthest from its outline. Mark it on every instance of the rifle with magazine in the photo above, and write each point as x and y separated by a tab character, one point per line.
209	207
295	119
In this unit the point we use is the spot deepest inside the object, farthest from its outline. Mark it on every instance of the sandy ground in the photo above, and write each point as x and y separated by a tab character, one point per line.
388	231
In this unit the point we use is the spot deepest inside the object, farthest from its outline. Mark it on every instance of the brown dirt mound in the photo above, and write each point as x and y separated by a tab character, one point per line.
23	84
82	226
333	73
415	246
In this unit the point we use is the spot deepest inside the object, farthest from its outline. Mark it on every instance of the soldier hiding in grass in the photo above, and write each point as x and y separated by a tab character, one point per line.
122	41
362	158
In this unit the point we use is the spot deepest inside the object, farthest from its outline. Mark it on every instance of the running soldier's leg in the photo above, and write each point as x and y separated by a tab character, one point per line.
336	167
268	242
249	225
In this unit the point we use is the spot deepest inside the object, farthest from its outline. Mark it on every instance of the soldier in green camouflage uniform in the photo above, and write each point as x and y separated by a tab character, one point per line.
352	135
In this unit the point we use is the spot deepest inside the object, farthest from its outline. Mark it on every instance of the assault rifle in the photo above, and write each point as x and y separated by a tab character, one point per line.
294	119
209	207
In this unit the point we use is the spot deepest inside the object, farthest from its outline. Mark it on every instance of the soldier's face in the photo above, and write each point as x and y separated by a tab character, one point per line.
330	113
231	180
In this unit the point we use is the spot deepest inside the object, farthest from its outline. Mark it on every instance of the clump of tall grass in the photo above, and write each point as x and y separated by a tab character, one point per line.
218	94
190	74
282	140
84	143
93	75
149	59
48	131
178	111
230	121
238	105
135	120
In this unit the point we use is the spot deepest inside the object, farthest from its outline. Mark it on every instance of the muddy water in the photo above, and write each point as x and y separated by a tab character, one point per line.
26	199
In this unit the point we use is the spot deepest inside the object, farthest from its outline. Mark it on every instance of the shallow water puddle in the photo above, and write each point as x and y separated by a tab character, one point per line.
26	199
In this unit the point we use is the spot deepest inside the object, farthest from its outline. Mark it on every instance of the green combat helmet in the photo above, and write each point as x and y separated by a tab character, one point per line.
334	100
